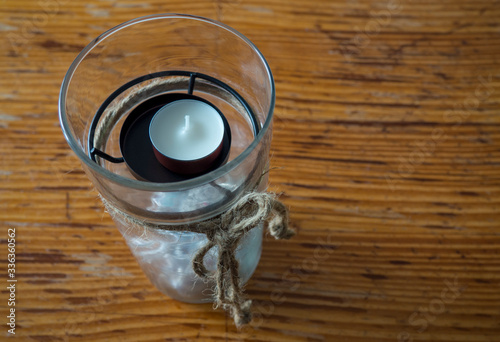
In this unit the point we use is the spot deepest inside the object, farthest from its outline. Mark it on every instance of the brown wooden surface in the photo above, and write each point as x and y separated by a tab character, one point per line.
393	187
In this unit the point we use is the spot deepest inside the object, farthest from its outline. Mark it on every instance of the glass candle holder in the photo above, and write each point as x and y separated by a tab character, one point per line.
183	54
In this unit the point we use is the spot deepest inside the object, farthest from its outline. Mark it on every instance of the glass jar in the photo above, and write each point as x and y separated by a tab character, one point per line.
132	55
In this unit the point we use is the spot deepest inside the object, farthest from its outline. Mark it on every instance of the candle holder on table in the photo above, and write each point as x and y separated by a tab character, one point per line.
171	118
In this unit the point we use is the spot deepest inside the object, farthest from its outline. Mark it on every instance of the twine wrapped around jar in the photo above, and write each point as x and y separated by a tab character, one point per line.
225	231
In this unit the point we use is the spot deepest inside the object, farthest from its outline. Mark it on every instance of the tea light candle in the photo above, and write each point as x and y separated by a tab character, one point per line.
187	136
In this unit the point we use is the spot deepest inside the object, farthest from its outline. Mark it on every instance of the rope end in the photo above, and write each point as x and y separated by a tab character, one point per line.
243	316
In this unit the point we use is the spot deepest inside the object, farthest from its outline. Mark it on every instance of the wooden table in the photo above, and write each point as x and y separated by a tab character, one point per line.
387	132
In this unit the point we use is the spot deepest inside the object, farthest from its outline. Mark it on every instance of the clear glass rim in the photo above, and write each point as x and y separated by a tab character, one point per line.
150	186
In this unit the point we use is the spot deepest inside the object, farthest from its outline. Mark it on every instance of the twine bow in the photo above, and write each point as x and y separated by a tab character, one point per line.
225	232
250	211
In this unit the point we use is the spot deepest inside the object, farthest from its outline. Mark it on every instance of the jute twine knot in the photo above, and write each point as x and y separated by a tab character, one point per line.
225	232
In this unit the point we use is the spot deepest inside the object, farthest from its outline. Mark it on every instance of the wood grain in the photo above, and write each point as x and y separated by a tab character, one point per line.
387	135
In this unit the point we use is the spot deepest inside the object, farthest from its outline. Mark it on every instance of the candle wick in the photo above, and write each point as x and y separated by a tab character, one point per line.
186	123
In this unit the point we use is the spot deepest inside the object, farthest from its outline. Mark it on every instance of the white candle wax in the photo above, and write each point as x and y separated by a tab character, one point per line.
186	130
